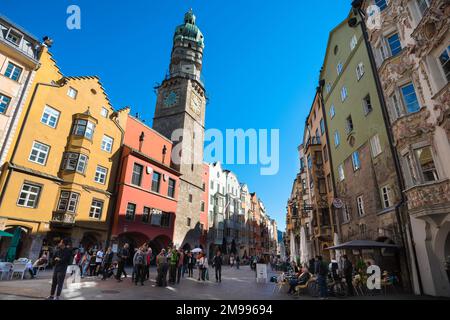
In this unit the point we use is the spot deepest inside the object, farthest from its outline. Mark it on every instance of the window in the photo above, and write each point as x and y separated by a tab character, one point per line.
332	111
190	198
29	195
356	161
341	173
188	222
328	87
322	186
329	183
83	128
165	220
14	37
136	178
367	105
322	127
394	44
375	145
337	139
309	162
39	153
50	117
212	185
318	157
202	206
72	93
68	201
382	4
107	144
146	215
444	59
360	204
353	42
100	175
131	212
339	68
386	197
13	72
156	181
75	162
171	190
345	214
4	103
104	113
423	6
349	125
426	164
96	209
325	154
360	71
344	94
410	98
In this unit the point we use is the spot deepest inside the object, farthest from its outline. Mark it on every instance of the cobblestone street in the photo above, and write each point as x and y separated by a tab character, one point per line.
236	285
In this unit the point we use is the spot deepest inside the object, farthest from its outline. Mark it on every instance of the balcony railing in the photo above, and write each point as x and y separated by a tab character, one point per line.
426	196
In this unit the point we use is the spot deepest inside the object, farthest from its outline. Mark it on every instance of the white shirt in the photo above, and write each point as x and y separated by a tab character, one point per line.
99	257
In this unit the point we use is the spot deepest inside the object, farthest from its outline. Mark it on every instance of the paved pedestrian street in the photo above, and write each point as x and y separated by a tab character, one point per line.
236	285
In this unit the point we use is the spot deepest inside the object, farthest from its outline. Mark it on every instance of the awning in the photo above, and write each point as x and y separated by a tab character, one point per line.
364	244
5	234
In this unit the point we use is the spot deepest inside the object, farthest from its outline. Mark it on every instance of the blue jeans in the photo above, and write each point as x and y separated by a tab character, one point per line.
322	282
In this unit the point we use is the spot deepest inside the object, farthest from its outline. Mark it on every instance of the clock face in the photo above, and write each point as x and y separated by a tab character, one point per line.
171	99
196	104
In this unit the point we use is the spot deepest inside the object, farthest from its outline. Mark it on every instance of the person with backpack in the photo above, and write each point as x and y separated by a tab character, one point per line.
139	264
322	272
173	266
161	264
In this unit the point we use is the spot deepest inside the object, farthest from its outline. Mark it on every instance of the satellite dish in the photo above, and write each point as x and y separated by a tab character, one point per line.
165	177
149	170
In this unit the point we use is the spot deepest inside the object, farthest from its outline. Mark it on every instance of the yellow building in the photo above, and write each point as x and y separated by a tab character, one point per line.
59	179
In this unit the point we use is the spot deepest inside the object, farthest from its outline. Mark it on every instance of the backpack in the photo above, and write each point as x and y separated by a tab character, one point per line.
140	260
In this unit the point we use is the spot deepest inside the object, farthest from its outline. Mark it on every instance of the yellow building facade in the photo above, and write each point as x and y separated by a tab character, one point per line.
60	174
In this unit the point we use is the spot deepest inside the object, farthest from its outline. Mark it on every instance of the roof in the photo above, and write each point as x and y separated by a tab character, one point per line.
18	27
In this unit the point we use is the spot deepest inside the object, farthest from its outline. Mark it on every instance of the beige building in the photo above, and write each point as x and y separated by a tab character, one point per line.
19	60
412	53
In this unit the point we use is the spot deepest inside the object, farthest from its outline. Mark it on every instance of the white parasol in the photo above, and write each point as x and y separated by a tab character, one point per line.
197	250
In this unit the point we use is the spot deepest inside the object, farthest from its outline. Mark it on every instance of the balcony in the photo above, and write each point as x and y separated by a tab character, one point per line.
429	198
313	141
412	126
63	219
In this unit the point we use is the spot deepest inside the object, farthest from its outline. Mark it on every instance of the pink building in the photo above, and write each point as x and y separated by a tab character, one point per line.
147	189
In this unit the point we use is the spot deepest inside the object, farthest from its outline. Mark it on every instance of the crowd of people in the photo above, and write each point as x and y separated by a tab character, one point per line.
172	264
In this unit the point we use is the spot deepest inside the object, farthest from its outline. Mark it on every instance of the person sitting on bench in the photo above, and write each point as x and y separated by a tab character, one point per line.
301	280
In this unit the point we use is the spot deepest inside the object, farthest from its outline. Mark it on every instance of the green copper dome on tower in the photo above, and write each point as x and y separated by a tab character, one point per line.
188	30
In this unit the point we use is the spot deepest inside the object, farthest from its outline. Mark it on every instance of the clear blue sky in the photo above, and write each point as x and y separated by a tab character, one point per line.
261	63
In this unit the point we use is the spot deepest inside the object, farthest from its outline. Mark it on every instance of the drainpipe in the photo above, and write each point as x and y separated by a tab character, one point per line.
116	192
357	9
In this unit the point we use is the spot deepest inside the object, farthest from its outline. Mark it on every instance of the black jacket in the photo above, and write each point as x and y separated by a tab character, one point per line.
124	255
348	268
65	259
218	262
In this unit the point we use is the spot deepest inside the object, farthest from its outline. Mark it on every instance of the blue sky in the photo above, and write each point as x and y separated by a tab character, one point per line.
261	62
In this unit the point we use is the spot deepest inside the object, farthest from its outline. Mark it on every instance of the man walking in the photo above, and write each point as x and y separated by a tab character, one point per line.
348	273
217	264
180	265
191	264
123	257
63	257
107	262
161	263
322	272
139	263
173	266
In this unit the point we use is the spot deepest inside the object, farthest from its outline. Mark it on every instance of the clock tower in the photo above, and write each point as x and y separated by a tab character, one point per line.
180	116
